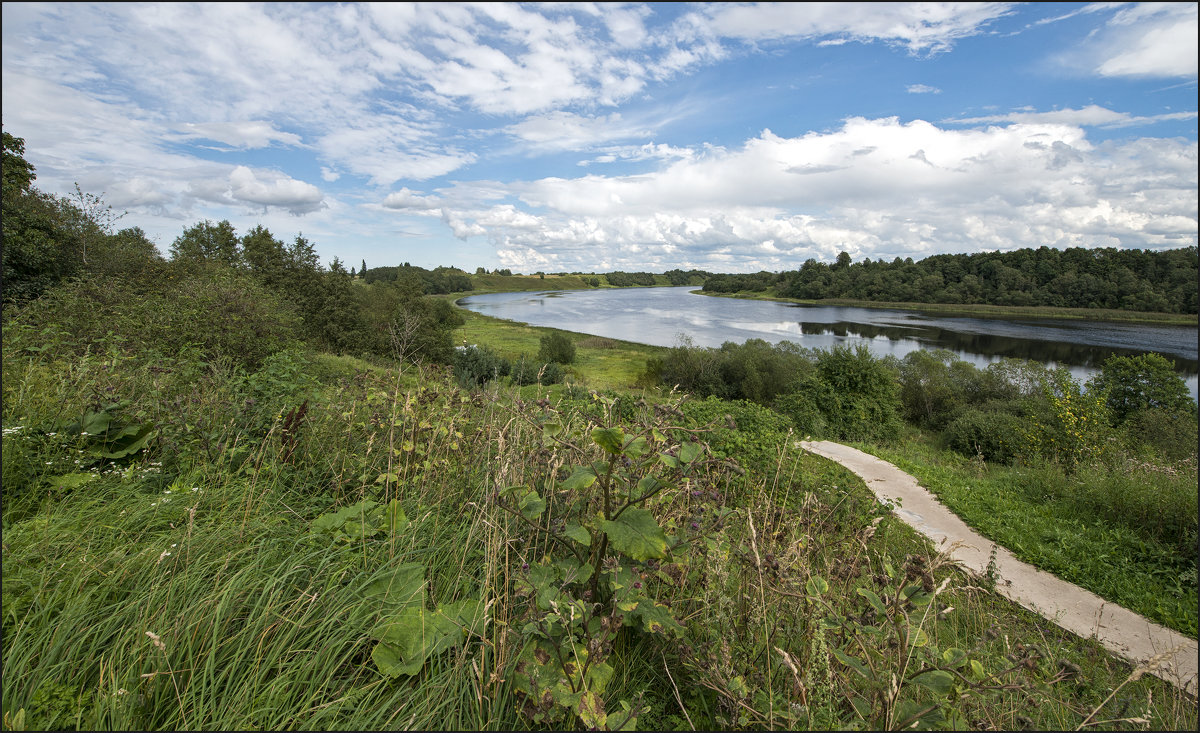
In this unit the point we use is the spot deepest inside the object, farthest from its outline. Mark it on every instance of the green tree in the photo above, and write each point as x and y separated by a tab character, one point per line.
206	242
1134	383
18	173
265	256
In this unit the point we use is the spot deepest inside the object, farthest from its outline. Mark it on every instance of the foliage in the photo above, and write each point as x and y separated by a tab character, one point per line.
529	371
620	279
992	434
1146	381
557	347
475	366
206	242
1171	435
221	311
604	536
1070	425
1128	279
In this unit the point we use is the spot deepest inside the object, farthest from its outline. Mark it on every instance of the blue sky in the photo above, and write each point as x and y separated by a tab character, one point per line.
598	136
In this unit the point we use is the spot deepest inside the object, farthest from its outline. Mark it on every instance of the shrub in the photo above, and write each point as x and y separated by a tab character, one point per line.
477	365
558	348
804	412
1170	434
858	394
225	313
993	434
525	371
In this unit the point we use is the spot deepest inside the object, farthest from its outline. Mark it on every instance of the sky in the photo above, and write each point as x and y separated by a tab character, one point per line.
564	137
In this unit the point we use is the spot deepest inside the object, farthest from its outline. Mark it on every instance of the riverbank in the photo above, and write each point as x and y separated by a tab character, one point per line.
600	363
982	310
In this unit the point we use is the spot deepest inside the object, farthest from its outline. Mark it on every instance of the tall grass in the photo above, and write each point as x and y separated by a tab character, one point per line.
184	587
1125	532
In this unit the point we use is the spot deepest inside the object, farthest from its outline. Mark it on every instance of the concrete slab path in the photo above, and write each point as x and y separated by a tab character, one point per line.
1120	630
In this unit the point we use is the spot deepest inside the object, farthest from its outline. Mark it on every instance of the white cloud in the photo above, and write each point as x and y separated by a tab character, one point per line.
919	27
256	134
878	188
408	199
922	89
648	151
272	189
1090	116
1149	40
567	131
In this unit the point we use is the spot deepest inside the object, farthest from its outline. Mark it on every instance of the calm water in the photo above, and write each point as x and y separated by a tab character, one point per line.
663	316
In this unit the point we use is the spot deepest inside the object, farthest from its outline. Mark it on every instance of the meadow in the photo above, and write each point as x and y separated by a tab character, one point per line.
331	542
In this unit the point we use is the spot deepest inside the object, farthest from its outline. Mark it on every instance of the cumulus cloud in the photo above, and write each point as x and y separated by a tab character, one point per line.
878	188
1151	39
408	199
922	89
263	190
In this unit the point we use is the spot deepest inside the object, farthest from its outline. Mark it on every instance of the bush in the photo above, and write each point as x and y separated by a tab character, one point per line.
558	348
1170	434
804	412
748	433
858	394
475	366
993	434
525	371
225	313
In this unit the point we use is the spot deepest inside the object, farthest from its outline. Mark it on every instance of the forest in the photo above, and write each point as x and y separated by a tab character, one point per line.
1127	279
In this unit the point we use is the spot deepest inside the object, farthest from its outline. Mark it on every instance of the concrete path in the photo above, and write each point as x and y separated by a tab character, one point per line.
1121	631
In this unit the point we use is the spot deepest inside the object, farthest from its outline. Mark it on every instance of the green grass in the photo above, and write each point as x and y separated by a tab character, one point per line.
264	623
983	310
1070	524
600	363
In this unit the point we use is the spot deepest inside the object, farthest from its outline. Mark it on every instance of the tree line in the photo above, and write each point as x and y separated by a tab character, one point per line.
253	293
1126	279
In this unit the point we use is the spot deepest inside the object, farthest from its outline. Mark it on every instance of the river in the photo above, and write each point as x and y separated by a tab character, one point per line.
666	316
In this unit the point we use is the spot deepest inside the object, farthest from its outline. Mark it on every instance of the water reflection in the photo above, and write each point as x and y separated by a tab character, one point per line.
987	344
661	316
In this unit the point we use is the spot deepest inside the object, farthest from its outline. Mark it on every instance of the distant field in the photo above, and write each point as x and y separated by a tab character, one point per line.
508	283
600	363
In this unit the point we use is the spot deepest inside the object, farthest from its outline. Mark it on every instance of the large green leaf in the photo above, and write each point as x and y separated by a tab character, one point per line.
532	505
401	587
689	452
72	480
637	534
336	520
129	441
416	634
581	479
610	439
875	601
579	534
939	681
656	618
